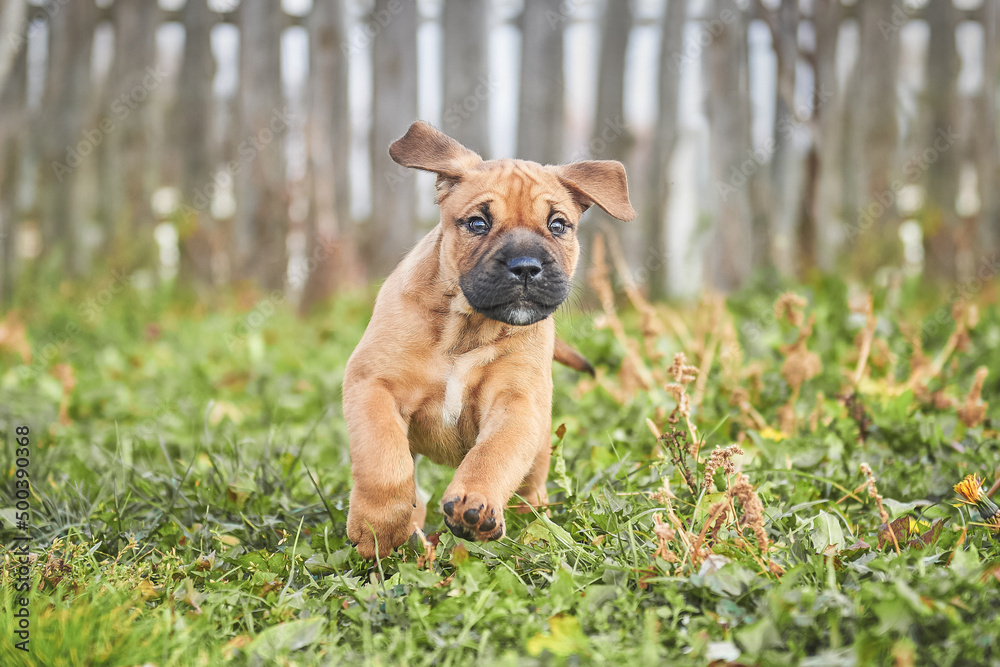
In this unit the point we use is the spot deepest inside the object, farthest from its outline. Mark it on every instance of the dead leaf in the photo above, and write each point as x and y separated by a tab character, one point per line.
147	590
67	378
270	586
54	571
223	409
900	528
929	536
206	562
992	572
973	411
459	555
234	645
13	336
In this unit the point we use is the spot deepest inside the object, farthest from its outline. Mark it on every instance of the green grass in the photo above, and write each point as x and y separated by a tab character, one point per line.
175	520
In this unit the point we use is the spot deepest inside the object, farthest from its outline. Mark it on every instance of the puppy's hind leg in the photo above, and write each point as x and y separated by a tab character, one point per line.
420	511
533	487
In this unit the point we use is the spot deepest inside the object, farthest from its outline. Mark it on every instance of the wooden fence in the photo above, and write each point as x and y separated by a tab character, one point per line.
835	145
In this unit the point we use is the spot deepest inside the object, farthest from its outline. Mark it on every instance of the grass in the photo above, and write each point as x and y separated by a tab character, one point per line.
190	476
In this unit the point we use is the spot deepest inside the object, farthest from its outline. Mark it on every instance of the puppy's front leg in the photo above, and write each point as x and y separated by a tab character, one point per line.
504	454
383	497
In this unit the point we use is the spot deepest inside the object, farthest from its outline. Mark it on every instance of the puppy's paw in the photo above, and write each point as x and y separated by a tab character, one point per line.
471	517
391	528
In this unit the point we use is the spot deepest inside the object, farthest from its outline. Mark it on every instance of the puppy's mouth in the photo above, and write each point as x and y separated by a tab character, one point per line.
518	312
513	302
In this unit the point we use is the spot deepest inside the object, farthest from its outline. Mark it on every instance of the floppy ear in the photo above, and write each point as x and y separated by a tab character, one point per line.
600	182
424	147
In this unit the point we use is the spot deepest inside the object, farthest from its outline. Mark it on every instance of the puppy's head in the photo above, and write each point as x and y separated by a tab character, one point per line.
509	227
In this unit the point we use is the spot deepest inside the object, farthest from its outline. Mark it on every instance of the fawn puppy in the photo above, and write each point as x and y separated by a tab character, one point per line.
456	363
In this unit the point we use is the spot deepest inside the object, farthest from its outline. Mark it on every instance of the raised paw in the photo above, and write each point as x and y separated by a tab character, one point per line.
472	517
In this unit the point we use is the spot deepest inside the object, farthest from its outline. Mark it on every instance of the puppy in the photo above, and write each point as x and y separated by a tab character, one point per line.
456	363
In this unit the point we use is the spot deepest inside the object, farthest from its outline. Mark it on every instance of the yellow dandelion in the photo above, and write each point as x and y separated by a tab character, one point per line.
970	492
772	434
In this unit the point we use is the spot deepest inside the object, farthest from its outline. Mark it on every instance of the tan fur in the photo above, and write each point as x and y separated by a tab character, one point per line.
495	423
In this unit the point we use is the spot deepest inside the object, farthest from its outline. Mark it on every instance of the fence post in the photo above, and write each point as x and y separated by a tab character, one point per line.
394	65
730	254
988	156
540	107
192	124
671	60
785	162
331	260
59	128
467	86
13	116
261	220
827	113
941	179
610	139
875	135
131	169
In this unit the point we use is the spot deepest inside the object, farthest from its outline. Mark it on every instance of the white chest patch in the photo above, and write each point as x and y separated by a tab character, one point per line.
453	394
454	389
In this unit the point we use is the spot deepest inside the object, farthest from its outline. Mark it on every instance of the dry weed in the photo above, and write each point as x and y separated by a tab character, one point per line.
722	458
873	492
973	411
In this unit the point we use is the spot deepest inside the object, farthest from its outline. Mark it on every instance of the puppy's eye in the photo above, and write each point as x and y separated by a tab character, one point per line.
477	225
558	226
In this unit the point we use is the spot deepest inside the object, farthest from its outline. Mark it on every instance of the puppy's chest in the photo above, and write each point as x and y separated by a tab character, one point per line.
447	423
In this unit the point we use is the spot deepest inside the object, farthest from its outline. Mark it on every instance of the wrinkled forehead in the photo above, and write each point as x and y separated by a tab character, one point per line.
512	190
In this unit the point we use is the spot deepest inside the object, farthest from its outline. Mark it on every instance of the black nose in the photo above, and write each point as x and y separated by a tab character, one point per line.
524	268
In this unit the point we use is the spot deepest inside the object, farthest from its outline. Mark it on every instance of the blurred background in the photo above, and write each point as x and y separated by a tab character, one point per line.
245	142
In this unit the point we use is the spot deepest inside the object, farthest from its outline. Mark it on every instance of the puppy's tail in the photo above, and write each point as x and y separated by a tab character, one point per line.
567	356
